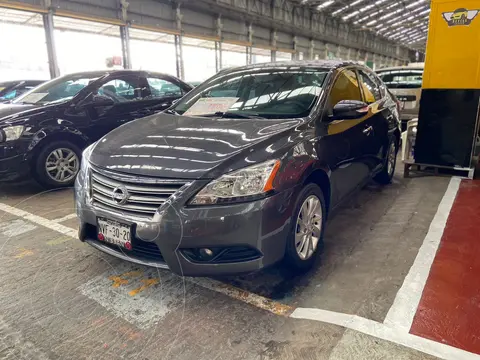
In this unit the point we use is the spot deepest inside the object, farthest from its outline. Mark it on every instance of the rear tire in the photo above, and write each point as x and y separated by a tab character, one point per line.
305	240
386	175
57	164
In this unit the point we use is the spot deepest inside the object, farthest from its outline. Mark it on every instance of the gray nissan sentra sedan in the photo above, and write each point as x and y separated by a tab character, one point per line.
240	173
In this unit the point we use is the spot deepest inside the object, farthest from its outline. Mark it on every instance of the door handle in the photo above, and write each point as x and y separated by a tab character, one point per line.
368	130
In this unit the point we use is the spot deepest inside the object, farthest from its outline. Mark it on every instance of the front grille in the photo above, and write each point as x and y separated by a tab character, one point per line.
146	195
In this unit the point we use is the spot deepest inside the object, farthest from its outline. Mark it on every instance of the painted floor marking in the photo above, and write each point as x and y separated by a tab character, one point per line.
23	252
65	218
157	300
15	228
39	220
139	295
242	295
406	301
385	332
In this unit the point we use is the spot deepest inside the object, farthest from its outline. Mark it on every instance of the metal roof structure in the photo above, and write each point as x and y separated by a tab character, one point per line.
404	22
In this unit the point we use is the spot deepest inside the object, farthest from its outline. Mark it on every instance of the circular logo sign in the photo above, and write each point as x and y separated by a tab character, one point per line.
120	195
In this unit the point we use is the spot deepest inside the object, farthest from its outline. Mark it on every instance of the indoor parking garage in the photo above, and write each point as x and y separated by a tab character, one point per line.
239	179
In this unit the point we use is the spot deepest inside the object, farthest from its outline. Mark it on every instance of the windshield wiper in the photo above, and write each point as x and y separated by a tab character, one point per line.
171	111
237	115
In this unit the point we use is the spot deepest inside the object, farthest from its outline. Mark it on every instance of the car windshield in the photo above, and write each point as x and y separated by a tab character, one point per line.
57	90
270	93
402	79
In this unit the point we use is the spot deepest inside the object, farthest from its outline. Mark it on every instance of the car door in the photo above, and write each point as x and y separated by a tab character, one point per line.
127	93
344	139
376	139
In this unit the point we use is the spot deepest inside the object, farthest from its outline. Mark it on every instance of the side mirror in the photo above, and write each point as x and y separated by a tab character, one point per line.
349	109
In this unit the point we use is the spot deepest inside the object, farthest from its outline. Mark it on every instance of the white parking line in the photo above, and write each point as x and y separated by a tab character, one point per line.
65	218
406	302
15	228
39	220
385	332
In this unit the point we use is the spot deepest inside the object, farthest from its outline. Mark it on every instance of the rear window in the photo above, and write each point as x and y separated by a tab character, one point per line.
402	79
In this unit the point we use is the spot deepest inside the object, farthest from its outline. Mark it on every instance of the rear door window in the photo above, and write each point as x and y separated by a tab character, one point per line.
162	88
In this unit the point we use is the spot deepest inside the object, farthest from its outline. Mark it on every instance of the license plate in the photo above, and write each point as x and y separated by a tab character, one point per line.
410	105
114	233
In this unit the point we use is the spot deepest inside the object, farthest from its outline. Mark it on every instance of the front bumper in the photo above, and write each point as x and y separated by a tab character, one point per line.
260	226
406	116
13	165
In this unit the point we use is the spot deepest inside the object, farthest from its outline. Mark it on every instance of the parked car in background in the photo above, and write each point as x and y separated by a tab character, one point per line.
43	132
240	173
405	82
10	90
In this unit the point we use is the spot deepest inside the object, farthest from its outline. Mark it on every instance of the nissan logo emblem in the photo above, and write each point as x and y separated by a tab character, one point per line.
120	195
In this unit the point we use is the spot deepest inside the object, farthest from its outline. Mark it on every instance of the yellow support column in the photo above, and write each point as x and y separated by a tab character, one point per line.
449	105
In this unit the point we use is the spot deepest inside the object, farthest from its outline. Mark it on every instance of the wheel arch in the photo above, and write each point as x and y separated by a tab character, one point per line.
321	178
48	137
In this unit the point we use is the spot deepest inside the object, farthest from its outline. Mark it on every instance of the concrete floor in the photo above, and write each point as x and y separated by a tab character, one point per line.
61	299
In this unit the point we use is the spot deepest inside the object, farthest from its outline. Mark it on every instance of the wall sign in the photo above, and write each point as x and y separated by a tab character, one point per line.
460	16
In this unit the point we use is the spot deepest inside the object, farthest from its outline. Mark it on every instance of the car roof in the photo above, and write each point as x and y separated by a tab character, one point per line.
117	72
393	68
314	64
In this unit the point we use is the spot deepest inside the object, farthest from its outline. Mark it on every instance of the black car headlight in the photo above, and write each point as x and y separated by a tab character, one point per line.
11	133
83	178
241	185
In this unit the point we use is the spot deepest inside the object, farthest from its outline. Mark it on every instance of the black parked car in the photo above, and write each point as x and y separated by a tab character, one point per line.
10	90
43	132
240	173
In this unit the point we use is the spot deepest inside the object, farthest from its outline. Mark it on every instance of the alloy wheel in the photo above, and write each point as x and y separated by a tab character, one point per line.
62	165
309	227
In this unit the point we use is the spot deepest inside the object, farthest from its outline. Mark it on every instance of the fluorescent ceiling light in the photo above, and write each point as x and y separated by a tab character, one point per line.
414	3
325	4
346	17
356	2
367	7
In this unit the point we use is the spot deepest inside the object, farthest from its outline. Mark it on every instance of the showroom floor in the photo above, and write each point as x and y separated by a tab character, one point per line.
61	299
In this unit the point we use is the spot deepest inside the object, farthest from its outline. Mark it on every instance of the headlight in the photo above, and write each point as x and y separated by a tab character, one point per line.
82	185
240	185
86	158
11	133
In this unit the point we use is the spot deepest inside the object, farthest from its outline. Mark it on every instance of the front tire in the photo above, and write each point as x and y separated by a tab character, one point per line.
305	240
57	164
386	175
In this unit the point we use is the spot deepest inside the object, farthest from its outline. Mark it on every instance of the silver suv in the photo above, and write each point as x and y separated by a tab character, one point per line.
405	82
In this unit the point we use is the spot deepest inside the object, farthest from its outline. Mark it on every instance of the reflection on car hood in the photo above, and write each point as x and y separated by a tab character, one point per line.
183	147
9	109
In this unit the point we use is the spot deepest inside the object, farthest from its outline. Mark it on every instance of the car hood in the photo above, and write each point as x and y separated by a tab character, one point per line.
186	147
10	109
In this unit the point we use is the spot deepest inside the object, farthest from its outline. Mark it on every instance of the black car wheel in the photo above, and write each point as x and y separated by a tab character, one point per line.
57	164
386	175
305	240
